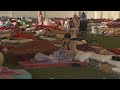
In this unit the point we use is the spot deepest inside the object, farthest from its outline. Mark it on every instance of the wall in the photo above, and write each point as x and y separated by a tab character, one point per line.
4	13
19	13
115	14
62	14
106	14
90	14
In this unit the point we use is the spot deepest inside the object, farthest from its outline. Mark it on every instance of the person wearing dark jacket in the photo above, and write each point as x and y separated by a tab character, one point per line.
83	25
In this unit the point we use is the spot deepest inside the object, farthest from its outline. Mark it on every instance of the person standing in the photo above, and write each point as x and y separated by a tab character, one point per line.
76	21
40	18
83	25
66	25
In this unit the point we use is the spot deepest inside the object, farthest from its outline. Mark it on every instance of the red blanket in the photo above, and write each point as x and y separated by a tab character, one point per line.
28	64
28	50
116	51
3	28
8	46
53	27
22	35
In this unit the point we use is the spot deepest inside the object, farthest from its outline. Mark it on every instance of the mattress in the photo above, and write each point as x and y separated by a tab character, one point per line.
28	64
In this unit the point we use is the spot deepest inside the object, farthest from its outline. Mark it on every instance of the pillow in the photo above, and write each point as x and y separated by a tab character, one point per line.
114	63
83	56
102	58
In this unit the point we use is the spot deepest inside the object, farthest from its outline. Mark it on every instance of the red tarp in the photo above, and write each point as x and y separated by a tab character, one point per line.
116	51
54	27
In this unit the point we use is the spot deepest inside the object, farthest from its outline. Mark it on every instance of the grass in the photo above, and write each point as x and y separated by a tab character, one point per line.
74	72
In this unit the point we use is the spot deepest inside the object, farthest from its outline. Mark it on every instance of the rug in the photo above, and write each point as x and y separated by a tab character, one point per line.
116	51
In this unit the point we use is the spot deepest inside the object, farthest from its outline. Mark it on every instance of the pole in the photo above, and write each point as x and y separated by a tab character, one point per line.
86	15
11	13
74	12
119	14
28	13
95	15
109	14
101	15
44	14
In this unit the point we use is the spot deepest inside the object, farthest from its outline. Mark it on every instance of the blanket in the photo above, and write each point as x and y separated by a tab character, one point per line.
28	50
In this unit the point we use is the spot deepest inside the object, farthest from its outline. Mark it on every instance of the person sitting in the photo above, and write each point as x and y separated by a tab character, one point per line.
1	23
16	31
73	33
69	45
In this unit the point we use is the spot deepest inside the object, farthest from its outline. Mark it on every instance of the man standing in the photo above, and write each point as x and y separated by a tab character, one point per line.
83	25
40	18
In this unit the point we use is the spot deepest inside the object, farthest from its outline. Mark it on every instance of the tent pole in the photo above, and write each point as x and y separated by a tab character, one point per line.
101	15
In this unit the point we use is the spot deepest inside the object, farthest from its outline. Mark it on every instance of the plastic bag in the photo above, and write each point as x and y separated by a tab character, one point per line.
41	57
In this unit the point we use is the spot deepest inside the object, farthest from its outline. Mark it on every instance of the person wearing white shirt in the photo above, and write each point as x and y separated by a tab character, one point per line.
62	22
66	25
1	23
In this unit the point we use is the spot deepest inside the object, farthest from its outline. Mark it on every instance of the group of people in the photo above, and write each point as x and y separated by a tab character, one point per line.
65	23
